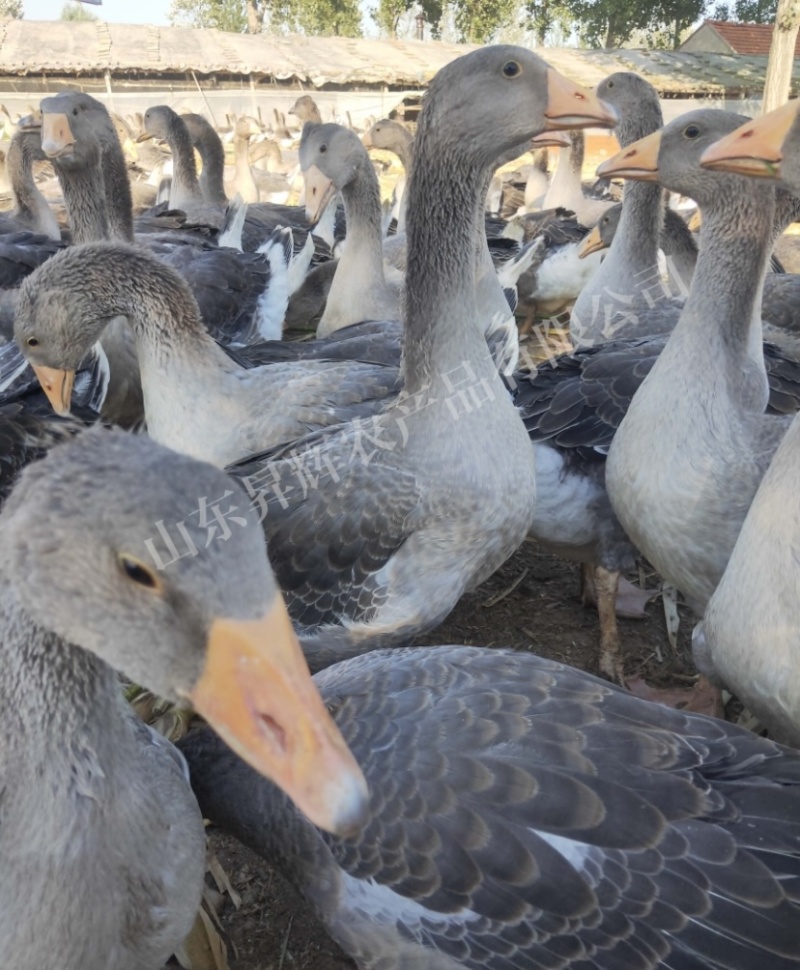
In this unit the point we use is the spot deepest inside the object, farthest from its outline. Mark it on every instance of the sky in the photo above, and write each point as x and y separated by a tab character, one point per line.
115	11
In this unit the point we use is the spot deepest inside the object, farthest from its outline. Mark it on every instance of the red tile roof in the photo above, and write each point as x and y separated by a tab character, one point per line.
747	38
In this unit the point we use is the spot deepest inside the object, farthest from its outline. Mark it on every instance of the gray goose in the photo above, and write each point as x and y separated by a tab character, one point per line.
166	126
260	218
525	814
377	529
682	493
102	842
31	211
209	146
197	400
333	159
391	136
240	294
748	638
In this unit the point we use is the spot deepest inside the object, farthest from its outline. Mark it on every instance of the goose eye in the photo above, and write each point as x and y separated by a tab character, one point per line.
323	149
610	84
692	131
511	69
135	571
32	341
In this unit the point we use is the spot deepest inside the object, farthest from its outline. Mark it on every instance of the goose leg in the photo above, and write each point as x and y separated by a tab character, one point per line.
588	592
527	324
606	584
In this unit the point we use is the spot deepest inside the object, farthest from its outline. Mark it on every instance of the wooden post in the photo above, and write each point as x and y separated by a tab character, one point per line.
778	81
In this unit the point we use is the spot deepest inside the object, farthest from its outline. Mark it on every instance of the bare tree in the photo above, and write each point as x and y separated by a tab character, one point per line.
781	55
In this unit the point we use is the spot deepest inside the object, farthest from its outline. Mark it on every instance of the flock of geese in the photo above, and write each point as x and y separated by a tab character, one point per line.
439	807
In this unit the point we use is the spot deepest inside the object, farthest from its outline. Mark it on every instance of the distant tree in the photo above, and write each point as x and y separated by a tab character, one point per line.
389	14
76	11
12	9
318	17
227	15
674	16
477	20
611	23
327	18
755	11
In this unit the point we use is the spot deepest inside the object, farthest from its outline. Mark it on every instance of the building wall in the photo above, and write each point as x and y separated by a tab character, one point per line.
705	40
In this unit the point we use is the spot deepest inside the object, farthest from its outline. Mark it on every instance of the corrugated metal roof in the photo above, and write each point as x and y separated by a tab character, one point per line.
31	47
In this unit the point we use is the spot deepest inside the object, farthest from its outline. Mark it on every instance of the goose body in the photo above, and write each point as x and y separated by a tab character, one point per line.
435	492
682	494
748	637
526	814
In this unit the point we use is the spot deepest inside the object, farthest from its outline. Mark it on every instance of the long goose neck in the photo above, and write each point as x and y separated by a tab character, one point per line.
565	188
53	695
244	173
634	249
212	177
403	147
442	332
85	199
118	197
362	206
728	281
185	187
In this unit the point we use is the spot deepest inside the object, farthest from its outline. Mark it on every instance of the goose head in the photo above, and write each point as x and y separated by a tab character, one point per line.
387	135
672	156
62	312
305	109
330	158
635	101
246	127
123	552
483	104
602	234
159	122
768	147
68	121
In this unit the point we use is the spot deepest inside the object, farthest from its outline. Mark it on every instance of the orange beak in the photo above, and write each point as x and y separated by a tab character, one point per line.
638	161
319	192
57	385
258	695
57	137
756	148
592	243
571	106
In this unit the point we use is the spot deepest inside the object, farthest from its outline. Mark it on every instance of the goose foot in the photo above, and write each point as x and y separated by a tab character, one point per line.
703	698
606	583
631	600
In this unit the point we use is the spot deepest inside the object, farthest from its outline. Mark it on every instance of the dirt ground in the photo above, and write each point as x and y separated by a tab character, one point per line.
273	929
